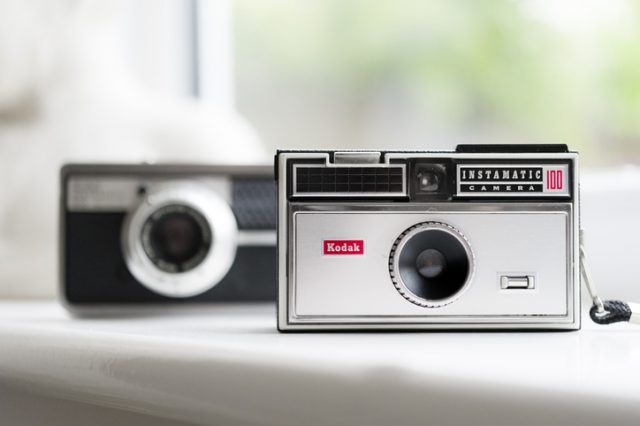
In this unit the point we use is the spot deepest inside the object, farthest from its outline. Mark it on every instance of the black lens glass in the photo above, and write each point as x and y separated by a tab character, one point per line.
176	238
430	263
434	264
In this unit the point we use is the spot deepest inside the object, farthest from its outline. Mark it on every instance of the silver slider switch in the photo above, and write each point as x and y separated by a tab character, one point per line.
521	282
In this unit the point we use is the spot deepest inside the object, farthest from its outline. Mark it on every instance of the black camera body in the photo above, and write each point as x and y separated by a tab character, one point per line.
166	234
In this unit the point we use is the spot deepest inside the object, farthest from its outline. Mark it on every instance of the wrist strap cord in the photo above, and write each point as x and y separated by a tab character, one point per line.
608	311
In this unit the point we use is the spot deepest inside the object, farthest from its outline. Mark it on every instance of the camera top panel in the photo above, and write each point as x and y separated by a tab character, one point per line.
101	188
484	172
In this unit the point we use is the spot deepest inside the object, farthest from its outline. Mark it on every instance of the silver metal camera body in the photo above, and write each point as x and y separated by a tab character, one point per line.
158	234
485	237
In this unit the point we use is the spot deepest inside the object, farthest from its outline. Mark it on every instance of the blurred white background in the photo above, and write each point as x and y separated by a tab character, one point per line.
195	80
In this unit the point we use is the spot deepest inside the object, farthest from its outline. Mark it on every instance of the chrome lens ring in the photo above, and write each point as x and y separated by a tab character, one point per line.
437	284
213	217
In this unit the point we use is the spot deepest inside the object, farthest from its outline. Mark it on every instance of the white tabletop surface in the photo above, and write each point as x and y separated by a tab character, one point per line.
228	365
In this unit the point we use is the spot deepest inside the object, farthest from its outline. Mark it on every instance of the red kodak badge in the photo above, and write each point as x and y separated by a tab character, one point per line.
343	246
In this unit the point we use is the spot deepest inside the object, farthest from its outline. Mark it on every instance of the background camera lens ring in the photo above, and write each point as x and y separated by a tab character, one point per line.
213	266
443	289
176	238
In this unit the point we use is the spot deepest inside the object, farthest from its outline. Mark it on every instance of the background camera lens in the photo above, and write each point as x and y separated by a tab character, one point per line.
434	264
176	238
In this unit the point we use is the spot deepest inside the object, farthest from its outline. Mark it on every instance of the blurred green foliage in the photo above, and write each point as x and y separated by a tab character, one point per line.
484	71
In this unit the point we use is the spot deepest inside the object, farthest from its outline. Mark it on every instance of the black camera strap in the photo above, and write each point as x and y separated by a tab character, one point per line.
607	311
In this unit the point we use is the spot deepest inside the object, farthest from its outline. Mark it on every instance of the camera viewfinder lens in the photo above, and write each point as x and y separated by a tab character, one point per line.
428	181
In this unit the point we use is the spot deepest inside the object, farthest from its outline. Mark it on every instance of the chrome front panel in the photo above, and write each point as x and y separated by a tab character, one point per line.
506	239
537	240
103	193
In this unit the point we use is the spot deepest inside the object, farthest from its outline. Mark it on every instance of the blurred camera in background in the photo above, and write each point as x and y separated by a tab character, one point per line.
166	234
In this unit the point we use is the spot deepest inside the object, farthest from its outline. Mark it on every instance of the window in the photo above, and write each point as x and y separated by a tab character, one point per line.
430	74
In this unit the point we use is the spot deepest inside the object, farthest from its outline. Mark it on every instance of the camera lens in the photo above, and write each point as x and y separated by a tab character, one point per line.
433	263
176	238
180	240
430	263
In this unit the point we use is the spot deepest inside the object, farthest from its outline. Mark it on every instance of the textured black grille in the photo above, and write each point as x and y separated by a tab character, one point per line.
254	203
348	179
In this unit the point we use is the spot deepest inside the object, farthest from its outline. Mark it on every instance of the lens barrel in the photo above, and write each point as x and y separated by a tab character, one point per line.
431	264
176	238
180	240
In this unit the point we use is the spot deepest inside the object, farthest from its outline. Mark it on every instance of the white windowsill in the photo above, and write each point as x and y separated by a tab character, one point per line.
228	365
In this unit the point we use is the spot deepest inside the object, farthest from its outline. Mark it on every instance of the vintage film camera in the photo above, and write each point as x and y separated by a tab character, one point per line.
481	238
160	234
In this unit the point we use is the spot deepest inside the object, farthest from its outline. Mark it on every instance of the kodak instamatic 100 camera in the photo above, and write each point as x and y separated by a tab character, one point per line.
481	238
158	234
